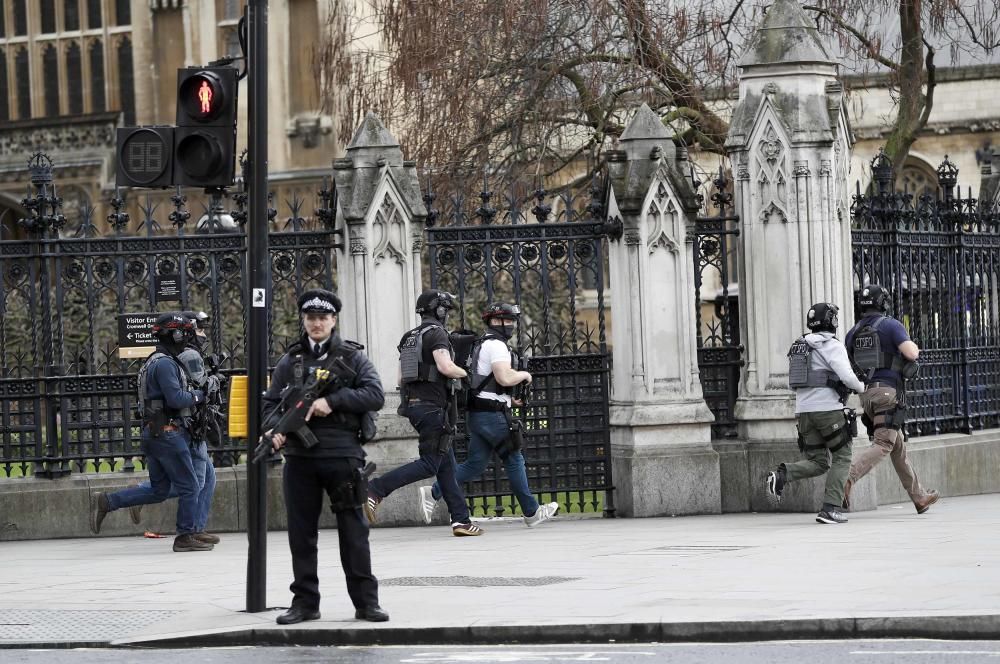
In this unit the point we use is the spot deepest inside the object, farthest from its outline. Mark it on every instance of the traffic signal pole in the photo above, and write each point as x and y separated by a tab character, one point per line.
259	299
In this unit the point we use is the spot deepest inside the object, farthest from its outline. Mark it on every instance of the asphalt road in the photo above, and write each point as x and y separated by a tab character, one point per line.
788	652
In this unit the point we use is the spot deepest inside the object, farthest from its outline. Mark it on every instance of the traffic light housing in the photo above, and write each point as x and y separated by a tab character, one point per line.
204	147
144	156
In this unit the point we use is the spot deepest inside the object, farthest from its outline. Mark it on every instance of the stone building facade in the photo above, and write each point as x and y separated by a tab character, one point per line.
71	71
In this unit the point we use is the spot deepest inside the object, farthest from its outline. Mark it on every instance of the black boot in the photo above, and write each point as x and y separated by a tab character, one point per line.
99	508
774	482
372	614
297	614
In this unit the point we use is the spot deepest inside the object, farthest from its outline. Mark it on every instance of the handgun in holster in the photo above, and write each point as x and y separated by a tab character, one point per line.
852	421
354	492
155	417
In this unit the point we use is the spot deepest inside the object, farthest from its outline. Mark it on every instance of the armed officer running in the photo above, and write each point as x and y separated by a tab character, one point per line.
881	350
331	464
426	363
206	427
821	375
167	401
492	427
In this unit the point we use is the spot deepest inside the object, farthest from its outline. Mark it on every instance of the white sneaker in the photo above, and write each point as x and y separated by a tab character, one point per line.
546	511
427	503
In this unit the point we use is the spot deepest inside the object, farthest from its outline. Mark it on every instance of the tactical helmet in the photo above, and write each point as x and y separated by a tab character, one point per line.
508	315
435	303
502	310
200	318
874	296
822	317
173	328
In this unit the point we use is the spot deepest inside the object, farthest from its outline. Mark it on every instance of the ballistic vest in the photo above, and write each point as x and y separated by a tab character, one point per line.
801	372
484	382
412	367
147	407
866	351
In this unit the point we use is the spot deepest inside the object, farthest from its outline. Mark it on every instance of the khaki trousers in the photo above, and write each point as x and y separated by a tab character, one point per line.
876	401
820	432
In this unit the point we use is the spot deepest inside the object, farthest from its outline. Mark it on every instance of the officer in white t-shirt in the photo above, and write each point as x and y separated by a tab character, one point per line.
490	425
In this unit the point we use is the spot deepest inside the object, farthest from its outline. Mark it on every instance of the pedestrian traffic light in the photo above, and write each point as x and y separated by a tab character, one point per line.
205	137
144	156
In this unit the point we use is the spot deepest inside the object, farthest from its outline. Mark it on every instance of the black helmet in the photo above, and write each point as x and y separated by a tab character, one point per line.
502	310
874	296
173	328
319	301
508	315
822	317
200	318
435	303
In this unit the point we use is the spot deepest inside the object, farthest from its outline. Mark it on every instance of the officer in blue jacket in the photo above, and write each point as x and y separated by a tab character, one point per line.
167	401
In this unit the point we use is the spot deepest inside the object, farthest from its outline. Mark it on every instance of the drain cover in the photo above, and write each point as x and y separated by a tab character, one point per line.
476	581
30	625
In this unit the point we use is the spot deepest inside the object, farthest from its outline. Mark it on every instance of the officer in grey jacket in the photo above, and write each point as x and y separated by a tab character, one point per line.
821	375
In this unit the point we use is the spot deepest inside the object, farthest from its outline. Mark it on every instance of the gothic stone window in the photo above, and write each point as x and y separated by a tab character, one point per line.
20	18
50	72
64	54
4	89
917	178
48	12
97	104
71	15
23	83
74	78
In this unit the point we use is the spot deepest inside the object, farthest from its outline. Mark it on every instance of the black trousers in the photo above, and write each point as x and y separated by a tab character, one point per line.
305	480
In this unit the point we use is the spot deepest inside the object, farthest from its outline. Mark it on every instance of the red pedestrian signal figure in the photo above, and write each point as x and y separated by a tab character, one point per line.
205	97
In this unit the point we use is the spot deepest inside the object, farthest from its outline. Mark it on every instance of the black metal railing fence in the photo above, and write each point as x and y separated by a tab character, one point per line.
939	255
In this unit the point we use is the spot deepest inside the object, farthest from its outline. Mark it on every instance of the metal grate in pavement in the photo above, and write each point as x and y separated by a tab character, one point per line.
476	581
32	625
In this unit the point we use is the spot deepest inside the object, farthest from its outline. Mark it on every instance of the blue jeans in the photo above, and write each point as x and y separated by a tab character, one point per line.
487	430
431	422
170	464
204	472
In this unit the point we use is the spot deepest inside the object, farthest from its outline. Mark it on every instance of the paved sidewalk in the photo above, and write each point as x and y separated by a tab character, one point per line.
748	576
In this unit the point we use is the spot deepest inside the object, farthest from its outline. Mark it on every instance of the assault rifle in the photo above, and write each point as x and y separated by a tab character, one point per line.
290	415
522	391
208	417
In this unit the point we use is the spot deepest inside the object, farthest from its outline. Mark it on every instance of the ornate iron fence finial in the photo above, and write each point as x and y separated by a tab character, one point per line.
118	219
947	174
44	206
882	172
542	210
486	212
429	198
180	215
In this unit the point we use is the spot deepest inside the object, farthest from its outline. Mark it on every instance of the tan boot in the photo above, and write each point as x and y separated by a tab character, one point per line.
924	504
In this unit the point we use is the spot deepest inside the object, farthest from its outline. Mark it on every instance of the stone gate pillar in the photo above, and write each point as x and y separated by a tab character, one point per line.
789	143
661	454
382	215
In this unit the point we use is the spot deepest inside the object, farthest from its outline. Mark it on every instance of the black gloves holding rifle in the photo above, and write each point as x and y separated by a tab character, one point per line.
295	404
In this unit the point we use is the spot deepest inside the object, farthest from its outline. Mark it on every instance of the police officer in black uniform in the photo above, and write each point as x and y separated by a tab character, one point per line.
426	361
332	465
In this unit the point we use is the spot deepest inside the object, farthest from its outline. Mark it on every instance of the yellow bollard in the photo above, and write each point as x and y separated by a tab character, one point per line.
238	394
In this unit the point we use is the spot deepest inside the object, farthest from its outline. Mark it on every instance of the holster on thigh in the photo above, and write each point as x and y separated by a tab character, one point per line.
350	494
